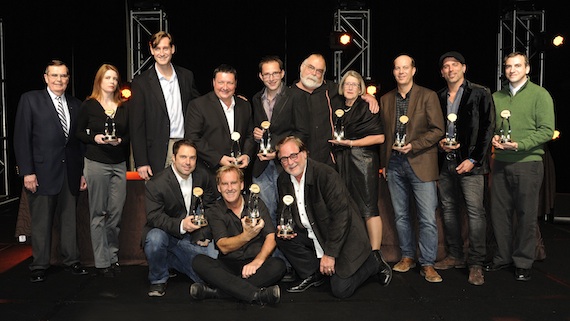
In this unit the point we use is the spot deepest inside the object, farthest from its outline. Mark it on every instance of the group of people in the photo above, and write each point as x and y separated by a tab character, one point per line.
315	149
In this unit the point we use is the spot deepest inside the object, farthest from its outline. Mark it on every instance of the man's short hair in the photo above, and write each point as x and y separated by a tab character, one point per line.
268	59
517	53
302	147
182	142
157	37
405	54
225	68
56	63
227	169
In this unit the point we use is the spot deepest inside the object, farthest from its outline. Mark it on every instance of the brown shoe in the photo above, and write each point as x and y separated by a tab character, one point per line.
430	274
448	263
476	275
404	265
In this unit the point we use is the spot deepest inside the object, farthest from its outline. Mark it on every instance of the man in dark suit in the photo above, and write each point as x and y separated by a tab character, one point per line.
170	238
220	124
158	107
413	114
464	161
330	237
50	159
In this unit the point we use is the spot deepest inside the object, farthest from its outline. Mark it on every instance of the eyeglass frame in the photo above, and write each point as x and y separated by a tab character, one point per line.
292	157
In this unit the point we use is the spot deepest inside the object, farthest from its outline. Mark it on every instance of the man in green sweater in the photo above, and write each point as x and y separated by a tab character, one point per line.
524	122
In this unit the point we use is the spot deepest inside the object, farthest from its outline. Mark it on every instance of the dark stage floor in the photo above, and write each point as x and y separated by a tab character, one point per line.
409	297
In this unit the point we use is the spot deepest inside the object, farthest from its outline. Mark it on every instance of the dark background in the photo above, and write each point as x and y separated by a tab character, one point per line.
86	34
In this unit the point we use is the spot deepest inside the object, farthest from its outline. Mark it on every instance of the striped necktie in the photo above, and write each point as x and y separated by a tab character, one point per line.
61	115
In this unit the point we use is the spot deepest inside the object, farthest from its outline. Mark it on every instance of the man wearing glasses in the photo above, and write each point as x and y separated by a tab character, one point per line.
329	236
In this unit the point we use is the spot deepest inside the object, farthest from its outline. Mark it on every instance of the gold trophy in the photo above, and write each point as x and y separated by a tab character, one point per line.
110	133
198	217
505	138
265	143
451	138
236	150
338	133
253	215
286	219
401	141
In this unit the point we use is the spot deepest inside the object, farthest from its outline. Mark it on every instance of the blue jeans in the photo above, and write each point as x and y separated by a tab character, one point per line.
402	182
452	187
164	251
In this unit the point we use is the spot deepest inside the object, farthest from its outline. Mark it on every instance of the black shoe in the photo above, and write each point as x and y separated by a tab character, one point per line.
107	272
116	267
200	291
269	295
289	276
522	274
384	270
38	276
157	289
76	269
492	267
313	280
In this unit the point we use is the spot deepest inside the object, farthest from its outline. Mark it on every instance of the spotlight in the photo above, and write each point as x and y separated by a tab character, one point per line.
548	40
371	86
126	92
340	40
558	40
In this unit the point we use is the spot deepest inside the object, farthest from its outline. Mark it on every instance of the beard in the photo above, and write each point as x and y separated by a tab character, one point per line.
311	82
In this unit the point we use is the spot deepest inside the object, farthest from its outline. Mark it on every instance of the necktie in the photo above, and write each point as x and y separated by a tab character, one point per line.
61	115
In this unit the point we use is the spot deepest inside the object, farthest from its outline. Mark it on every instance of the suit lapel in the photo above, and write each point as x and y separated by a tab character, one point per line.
156	90
279	104
175	188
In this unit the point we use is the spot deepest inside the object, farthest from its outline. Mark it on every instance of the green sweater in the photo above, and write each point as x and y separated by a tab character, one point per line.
532	121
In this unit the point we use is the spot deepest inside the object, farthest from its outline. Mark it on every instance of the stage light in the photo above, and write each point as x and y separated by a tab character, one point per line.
126	92
556	135
371	86
558	40
371	90
340	40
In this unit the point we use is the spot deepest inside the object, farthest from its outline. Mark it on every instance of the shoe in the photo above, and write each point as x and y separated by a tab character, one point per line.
107	272
116	267
492	267
404	265
448	263
384	270
313	280
522	274
76	269
430	274
172	273
289	276
157	289
476	275
269	295
200	291
37	276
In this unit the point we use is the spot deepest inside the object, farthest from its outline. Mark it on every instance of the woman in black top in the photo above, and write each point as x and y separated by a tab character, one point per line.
103	127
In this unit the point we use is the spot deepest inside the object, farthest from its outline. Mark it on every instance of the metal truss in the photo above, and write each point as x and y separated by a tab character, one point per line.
4	184
356	22
520	30
143	24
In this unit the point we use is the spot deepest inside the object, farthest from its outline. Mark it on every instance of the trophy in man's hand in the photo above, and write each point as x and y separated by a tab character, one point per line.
505	138
236	150
451	134
401	141
338	133
198	215
265	143
286	219
253	215
110	131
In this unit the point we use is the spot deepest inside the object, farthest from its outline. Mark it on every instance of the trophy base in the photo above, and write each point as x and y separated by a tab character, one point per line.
110	138
252	221
285	232
399	145
504	140
200	222
451	144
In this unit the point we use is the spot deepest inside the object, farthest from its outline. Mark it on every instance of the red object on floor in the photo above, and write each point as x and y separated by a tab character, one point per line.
13	254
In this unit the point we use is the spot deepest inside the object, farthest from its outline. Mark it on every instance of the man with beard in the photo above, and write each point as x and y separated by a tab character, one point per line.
318	94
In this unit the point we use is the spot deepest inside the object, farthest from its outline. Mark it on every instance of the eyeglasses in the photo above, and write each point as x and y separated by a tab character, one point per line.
293	157
55	76
351	85
312	69
275	74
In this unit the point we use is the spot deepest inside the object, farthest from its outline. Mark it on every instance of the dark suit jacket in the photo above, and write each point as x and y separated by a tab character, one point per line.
148	116
40	144
333	215
290	117
474	126
424	130
206	125
165	206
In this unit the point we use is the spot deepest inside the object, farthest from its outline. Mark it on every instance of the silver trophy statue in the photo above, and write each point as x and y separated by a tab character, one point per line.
265	143
505	138
198	212
236	150
451	134
286	219
110	132
401	141
338	133
253	215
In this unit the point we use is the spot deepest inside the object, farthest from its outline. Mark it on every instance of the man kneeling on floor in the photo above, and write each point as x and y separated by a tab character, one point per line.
245	268
329	236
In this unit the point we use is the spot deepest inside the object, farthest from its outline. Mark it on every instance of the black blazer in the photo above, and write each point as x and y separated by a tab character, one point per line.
206	125
165	206
333	215
290	117
475	124
40	145
148	117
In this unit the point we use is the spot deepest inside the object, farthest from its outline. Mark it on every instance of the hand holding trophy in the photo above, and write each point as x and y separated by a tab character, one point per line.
338	133
265	143
198	215
401	141
285	227
236	150
505	138
110	132
451	134
253	216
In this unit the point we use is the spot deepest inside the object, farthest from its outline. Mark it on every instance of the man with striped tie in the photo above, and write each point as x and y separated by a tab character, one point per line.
50	160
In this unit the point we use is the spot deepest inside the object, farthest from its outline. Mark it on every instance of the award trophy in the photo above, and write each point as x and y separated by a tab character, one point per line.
401	141
236	150
265	144
451	135
253	216
198	217
110	135
286	219
505	114
339	125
